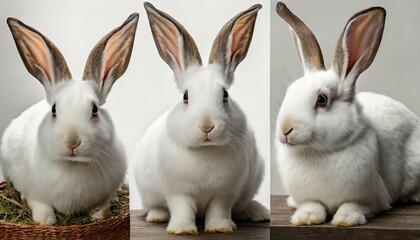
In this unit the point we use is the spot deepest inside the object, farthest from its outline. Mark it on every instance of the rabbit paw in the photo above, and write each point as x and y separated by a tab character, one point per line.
182	229
348	219
44	217
291	203
350	214
101	214
42	213
220	226
310	213
308	218
157	215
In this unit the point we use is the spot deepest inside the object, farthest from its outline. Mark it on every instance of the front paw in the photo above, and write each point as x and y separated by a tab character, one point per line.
220	226
44	217
157	215
291	203
348	219
182	229
305	217
101	214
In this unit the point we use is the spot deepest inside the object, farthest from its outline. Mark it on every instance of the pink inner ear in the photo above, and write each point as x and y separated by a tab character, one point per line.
114	53
109	63
36	48
239	37
357	39
173	43
168	39
111	54
237	34
105	75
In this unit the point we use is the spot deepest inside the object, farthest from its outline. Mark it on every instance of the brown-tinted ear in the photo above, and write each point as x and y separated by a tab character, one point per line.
41	57
110	57
359	42
174	44
231	44
307	46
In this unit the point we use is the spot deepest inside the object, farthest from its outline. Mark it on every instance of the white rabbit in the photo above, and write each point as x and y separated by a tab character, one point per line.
341	154
62	153
200	157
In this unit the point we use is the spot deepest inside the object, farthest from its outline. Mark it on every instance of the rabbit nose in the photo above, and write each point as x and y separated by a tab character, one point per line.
287	131
207	129
74	142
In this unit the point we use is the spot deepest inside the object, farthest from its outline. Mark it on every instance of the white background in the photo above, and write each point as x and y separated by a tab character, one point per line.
394	72
147	89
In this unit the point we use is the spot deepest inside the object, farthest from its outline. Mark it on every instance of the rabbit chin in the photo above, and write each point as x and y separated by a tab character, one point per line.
296	145
295	141
76	159
212	142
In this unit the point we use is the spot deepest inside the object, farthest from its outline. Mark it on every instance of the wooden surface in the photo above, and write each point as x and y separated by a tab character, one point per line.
140	229
403	222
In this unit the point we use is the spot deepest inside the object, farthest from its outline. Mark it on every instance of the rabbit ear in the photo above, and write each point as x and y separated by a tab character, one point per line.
110	57
306	44
231	44
174	44
359	43
41	57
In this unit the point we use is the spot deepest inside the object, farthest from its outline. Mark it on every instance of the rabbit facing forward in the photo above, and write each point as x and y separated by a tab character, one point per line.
342	154
200	157
62	153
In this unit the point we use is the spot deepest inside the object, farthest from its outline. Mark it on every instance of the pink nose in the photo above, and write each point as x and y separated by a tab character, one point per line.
207	129
74	144
287	132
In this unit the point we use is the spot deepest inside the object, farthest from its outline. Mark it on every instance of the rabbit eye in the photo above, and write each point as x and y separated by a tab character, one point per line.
53	111
225	95
94	110
186	96
322	100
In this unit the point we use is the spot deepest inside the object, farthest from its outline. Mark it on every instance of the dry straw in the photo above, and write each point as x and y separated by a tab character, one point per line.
16	222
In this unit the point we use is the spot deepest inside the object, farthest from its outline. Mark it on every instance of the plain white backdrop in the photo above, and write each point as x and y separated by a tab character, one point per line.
394	72
147	88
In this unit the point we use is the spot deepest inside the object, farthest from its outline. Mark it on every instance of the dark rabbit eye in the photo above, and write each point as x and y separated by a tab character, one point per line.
225	95
94	110
186	96
322	100
54	111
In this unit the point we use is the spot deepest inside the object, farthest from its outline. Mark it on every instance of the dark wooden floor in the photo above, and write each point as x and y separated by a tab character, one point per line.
140	229
403	222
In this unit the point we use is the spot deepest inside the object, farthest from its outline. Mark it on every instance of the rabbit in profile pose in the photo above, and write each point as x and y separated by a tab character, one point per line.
62	153
342	154
200	157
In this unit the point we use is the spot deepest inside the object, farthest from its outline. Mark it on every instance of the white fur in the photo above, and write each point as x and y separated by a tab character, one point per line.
362	153
178	171
356	155
35	156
